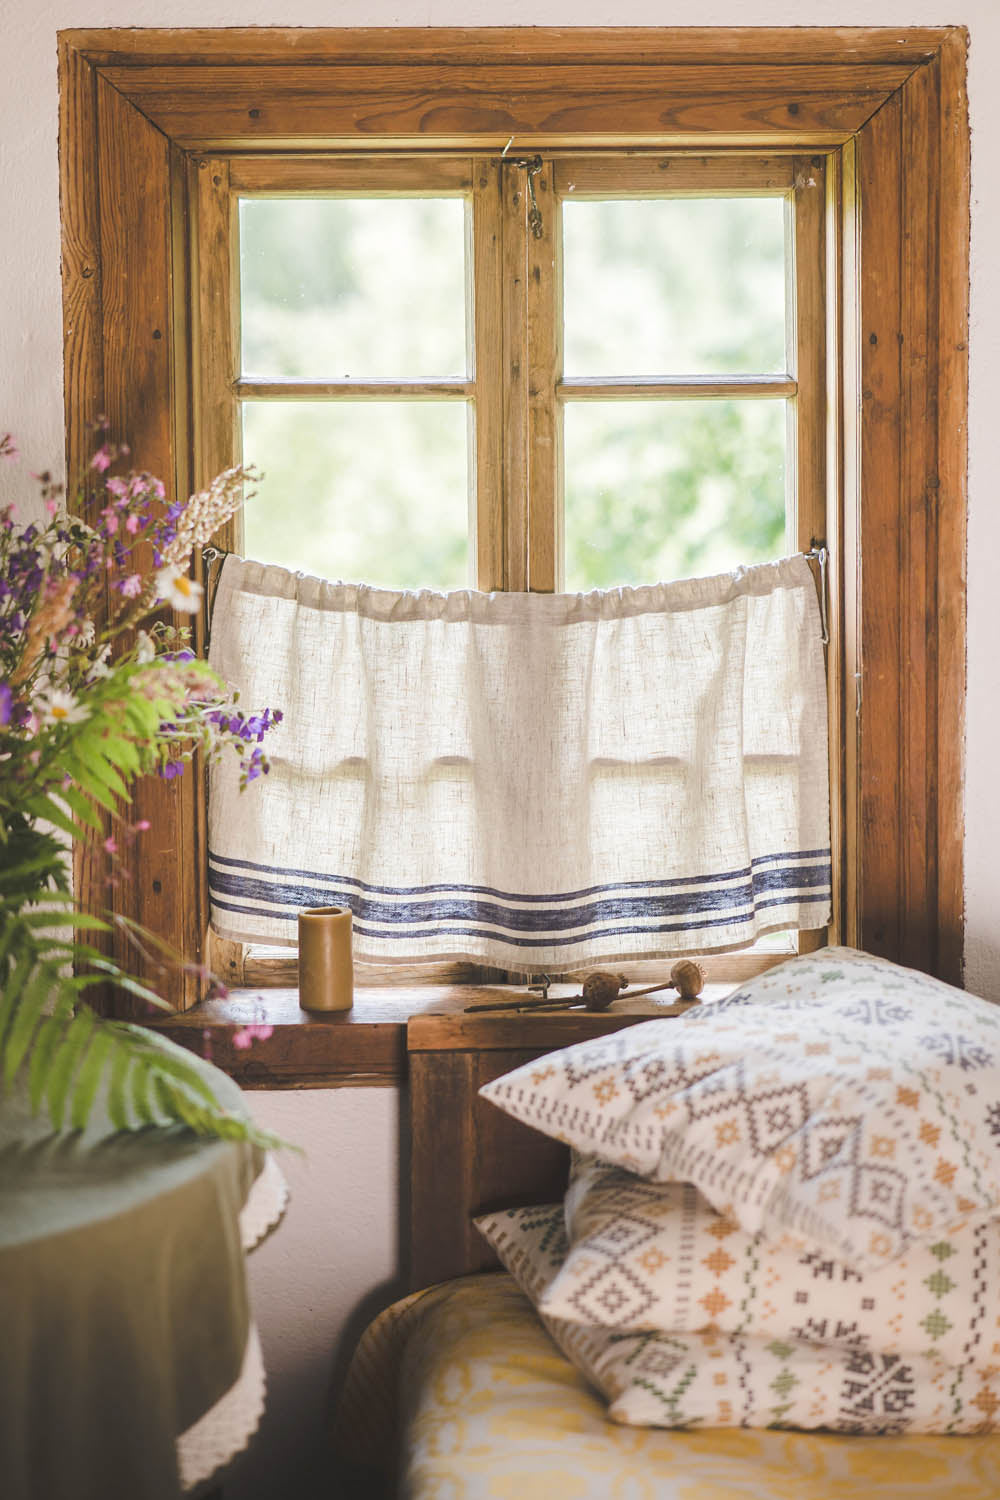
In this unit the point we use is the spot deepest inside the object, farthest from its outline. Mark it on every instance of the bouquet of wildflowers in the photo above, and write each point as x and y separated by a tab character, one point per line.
95	692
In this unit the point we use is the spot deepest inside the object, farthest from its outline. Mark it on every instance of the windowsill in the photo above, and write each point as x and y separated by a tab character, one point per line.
366	1046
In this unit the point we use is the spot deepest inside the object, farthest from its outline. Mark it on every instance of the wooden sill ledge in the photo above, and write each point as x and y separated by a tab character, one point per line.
367	1046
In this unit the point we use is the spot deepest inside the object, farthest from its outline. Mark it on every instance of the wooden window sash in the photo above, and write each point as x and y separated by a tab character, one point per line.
516	430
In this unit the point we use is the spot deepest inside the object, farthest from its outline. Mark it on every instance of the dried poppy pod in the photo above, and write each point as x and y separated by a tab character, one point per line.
687	978
601	989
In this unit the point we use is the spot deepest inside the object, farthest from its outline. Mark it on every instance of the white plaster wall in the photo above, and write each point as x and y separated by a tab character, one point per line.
338	1246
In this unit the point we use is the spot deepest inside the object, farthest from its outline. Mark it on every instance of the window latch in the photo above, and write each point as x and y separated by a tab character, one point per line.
532	165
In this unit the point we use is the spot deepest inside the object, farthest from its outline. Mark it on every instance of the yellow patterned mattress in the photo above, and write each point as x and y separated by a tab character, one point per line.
460	1394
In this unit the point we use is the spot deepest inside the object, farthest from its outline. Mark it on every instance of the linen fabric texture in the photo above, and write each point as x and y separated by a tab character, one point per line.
527	780
655	1256
838	1097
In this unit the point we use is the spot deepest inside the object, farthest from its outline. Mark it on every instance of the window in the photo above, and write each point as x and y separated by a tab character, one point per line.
153	124
652	407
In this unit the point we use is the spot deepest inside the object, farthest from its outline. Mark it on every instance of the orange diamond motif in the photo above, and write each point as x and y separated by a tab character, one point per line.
930	1134
727	1133
817	1049
883	1145
652	1260
605	1091
718	1262
967	1206
722	1227
944	1172
715	1302
909	1097
987	1402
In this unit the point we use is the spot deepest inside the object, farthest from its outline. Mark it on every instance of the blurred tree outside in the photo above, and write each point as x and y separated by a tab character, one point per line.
378	491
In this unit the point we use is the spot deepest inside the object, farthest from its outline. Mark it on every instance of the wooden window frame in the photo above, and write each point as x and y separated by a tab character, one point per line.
141	114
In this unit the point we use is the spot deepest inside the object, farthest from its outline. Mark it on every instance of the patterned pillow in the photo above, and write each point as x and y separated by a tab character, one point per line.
837	1097
655	1255
712	1379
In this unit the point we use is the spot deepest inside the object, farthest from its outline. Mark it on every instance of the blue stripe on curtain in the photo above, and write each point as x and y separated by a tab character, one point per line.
700	902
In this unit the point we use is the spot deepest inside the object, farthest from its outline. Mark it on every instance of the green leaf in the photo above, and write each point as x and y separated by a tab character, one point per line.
84	810
141	1102
76	1037
12	991
167	1063
47	1038
13	874
89	1077
117	1078
71	918
95	789
29	1011
128	983
44	807
121	752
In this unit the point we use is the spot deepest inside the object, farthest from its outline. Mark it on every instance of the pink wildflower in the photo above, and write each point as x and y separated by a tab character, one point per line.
110	847
52	506
132	525
102	459
247	1035
132	586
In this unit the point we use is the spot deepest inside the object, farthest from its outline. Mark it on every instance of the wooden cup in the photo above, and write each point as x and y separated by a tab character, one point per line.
326	965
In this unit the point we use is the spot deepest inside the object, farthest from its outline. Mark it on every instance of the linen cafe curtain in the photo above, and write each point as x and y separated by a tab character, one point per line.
533	781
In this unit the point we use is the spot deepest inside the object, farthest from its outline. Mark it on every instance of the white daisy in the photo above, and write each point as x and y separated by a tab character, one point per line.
179	590
59	707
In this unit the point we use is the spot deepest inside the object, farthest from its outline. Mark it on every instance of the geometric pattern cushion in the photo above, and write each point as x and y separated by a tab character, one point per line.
838	1098
656	1256
715	1379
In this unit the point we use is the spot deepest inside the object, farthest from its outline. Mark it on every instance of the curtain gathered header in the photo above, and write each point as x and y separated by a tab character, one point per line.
531	781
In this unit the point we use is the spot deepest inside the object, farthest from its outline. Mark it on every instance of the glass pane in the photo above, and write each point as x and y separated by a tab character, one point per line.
367	491
671	489
674	286
364	288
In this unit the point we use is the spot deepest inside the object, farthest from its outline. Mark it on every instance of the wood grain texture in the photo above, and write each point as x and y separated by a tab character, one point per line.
883	689
289	176
913	212
351	390
647	176
745	47
514	358
139	394
679	388
485	331
368	1043
83	366
323	102
951	346
543	351
467	1157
